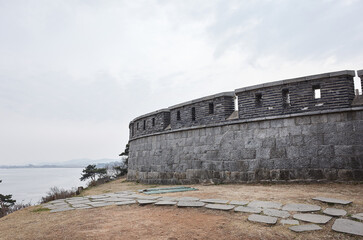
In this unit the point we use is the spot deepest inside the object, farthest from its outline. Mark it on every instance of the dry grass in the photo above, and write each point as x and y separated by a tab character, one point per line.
152	222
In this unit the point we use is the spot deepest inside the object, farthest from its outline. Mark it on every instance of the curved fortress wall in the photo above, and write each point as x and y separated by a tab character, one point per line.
300	129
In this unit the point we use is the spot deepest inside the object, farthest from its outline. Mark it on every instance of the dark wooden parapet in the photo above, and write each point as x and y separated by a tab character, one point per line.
150	123
202	111
312	93
360	74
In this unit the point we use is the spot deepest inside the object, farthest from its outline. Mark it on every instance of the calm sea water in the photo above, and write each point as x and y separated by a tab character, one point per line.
31	184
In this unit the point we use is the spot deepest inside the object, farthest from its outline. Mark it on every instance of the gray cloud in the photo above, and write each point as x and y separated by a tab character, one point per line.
74	73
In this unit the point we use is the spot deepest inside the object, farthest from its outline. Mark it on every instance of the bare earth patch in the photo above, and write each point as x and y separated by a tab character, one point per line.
156	222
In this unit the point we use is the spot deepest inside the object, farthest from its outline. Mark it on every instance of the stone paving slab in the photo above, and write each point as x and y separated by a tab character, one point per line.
217	201
240	203
79	202
79	205
173	199
145	202
265	204
98	197
61	210
305	228
262	219
348	226
332	200
313	218
125	203
276	213
335	212
224	207
165	203
358	216
289	222
148	197
190	204
300	207
101	204
184	199
248	209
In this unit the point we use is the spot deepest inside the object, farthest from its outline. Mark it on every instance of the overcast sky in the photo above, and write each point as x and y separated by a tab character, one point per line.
73	74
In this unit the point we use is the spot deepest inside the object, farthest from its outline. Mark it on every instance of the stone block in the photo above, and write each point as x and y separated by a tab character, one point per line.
313	218
348	226
305	228
262	219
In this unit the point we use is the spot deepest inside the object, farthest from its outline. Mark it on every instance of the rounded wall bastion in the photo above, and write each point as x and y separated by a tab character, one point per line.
302	129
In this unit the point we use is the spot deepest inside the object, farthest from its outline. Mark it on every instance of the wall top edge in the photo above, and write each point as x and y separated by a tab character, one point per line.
299	79
210	97
360	73
232	122
150	114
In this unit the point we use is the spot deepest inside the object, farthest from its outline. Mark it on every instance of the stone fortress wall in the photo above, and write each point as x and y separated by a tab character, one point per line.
302	129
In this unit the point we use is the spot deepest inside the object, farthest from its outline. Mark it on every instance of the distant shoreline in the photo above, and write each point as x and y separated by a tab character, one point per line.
42	166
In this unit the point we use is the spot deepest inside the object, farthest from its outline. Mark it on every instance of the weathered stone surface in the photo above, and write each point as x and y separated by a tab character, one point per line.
335	212
265	204
190	204
146	197
218	201
98	197
101	204
348	226
314	218
332	200
358	216
79	205
61	209
299	207
165	203
145	202
173	199
276	213
236	202
224	207
289	222
125	202
262	219
248	209
305	228
184	199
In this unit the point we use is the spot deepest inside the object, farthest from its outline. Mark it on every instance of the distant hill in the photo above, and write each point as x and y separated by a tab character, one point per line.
75	163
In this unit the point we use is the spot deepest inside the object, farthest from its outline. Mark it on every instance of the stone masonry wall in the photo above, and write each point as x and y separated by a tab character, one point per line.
150	123
360	74
308	146
223	107
297	95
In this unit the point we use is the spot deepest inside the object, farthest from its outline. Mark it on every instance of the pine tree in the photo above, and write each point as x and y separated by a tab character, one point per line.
6	202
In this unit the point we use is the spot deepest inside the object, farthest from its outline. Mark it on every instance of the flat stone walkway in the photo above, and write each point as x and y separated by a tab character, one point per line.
265	212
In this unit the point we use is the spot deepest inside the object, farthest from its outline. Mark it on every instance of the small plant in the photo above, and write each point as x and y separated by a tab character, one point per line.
41	209
56	193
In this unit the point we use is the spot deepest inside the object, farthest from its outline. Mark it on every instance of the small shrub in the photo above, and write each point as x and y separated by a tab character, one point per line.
41	209
56	193
13	208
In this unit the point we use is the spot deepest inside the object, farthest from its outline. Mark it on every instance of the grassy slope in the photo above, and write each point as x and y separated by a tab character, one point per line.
152	222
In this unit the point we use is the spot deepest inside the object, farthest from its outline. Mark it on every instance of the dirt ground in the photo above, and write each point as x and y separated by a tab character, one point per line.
171	223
